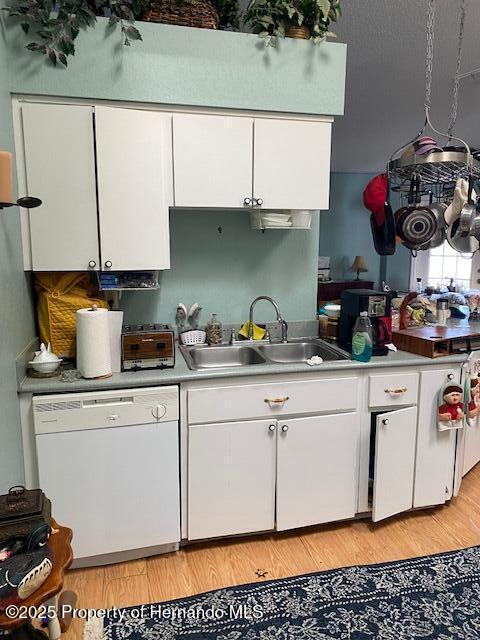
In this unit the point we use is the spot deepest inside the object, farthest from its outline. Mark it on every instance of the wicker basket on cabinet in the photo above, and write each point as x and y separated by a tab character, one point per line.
186	13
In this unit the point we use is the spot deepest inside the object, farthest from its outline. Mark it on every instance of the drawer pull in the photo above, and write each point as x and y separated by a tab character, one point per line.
396	392
276	401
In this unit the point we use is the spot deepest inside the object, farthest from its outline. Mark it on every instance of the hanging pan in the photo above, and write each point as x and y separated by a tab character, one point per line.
438	209
416	225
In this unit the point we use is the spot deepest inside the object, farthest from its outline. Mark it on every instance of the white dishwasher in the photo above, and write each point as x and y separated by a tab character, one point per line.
109	462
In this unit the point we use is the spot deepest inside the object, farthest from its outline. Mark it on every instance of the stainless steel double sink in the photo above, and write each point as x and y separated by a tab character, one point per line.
225	355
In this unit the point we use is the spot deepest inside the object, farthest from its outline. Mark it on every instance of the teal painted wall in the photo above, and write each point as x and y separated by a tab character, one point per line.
16	317
225	272
178	66
345	229
184	66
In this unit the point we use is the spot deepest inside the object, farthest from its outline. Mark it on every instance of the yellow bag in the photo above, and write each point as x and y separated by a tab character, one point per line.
60	295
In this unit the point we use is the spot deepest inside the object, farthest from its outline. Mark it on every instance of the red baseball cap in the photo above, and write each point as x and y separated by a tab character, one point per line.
375	196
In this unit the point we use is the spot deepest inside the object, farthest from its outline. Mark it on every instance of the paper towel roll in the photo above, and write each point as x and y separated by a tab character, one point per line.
93	343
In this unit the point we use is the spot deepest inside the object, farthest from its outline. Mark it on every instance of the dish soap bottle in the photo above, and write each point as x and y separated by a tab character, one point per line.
214	330
362	338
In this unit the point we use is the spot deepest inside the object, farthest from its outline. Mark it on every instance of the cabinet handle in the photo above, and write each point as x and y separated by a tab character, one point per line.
258	202
450	376
385	421
247	202
285	428
271	427
108	264
396	392
92	264
281	401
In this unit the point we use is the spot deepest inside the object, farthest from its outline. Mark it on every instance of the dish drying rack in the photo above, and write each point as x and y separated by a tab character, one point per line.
275	219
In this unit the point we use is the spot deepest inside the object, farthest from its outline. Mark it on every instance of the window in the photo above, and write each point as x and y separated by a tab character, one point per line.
445	263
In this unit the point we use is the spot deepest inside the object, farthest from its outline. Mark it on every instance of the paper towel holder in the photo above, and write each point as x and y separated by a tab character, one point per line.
27	202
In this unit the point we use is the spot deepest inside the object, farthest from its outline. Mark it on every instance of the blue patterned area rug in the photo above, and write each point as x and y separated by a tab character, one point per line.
435	597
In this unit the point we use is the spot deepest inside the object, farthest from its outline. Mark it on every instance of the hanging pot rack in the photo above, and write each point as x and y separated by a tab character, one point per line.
443	167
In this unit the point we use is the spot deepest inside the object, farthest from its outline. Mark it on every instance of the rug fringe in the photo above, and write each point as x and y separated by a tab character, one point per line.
94	629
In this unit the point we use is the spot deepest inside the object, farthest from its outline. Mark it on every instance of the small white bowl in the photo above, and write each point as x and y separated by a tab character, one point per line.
332	310
49	366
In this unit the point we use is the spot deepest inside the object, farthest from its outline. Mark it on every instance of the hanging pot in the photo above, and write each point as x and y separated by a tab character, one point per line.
459	243
467	214
415	225
438	209
475	230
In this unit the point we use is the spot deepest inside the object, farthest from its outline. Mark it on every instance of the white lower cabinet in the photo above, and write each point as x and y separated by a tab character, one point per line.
239	471
231	478
435	458
301	452
472	445
316	470
394	462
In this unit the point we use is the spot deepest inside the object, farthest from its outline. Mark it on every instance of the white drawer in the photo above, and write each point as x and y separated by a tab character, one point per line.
393	389
271	399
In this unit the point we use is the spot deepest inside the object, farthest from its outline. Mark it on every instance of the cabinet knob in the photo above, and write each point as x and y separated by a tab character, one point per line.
285	428
108	264
159	410
258	202
385	421
450	376
271	427
247	202
92	264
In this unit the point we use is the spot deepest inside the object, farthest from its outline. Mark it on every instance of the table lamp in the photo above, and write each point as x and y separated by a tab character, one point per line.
359	265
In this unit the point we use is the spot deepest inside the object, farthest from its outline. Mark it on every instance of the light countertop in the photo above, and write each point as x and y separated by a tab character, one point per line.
181	373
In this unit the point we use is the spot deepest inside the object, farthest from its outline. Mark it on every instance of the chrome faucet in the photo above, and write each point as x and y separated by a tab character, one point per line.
277	311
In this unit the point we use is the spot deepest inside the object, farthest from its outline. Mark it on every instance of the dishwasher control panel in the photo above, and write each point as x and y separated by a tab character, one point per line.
103	409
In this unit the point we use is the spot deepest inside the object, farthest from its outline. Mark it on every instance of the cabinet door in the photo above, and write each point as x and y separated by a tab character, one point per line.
135	187
394	462
472	445
60	170
292	163
213	160
316	470
231	478
435	458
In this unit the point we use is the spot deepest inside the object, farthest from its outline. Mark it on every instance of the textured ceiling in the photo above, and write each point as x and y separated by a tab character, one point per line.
386	77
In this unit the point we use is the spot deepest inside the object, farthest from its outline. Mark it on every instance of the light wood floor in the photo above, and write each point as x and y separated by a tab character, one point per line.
202	567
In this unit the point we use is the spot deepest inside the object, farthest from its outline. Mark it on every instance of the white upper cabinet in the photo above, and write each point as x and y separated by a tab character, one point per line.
212	160
134	172
291	164
60	170
233	161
